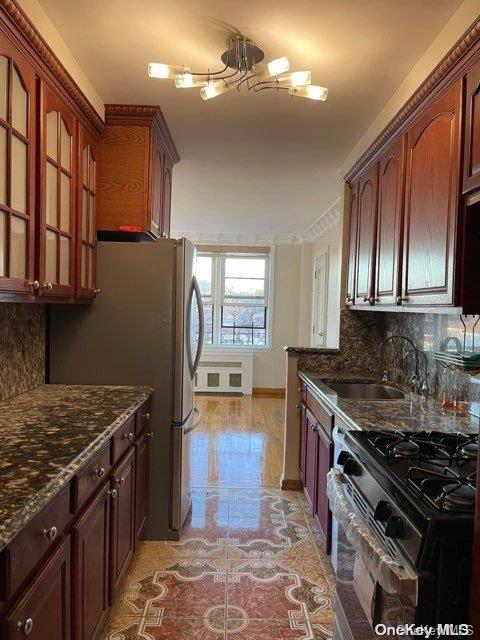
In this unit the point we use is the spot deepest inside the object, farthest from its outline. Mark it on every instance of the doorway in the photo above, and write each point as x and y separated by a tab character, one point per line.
320	299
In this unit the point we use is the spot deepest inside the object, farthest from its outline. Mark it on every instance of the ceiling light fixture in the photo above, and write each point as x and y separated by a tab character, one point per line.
244	66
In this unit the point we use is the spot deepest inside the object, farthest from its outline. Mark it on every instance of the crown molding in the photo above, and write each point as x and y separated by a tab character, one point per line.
328	220
449	68
143	115
239	239
20	29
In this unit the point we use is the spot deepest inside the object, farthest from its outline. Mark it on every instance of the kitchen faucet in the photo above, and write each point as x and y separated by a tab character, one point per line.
418	384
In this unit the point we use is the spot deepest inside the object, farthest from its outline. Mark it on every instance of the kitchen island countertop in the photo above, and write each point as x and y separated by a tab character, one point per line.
411	413
47	434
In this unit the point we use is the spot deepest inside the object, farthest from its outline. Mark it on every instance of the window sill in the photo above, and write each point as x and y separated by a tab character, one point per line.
235	349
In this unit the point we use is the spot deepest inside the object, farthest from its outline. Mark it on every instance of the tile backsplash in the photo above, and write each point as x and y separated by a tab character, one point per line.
22	348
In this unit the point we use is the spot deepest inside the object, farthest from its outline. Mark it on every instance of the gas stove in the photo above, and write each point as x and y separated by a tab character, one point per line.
415	494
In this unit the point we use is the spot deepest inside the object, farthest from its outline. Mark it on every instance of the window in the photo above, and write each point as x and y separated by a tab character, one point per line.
235	290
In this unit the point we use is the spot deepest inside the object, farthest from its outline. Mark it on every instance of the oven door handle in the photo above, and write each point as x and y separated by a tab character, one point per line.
391	575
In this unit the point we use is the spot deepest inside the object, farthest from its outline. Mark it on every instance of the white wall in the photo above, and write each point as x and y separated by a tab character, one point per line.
53	38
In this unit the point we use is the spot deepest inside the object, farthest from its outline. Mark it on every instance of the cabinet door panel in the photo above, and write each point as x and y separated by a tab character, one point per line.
431	207
303	441
323	515
86	276
123	521
157	188
389	223
311	459
91	547
167	198
141	482
365	254
471	166
352	243
17	171
45	606
57	219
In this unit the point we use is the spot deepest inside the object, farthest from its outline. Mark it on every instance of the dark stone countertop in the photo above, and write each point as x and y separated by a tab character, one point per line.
409	414
319	350
47	434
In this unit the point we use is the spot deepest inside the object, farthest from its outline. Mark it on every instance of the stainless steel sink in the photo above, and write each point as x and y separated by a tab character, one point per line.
364	390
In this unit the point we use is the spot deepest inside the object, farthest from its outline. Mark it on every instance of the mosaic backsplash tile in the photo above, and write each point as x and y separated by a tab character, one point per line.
22	348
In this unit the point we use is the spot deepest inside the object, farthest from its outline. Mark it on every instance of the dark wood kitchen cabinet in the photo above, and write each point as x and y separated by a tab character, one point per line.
366	232
352	243
18	131
432	203
123	521
43	612
309	485
303	441
141	482
91	570
324	464
391	176
136	158
471	163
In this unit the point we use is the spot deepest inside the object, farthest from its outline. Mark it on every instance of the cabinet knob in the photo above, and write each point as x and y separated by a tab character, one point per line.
48	286
163	235
50	533
113	493
401	299
97	291
147	416
348	299
373	300
150	435
298	405
121	482
100	472
35	285
26	627
128	436
366	299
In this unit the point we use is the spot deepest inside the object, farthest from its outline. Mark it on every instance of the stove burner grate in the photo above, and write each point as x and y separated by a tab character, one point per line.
446	491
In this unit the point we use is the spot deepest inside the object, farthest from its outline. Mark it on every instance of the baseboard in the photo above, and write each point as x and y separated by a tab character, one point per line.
288	484
269	392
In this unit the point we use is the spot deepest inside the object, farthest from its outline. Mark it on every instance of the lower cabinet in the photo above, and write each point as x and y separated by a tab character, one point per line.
310	481
123	521
324	464
43	612
141	482
303	441
91	551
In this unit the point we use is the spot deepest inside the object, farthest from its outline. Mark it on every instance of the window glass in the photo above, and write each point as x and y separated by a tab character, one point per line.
203	273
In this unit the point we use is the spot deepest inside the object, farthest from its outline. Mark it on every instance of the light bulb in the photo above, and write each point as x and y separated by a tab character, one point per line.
280	65
214	89
295	79
160	70
187	81
310	91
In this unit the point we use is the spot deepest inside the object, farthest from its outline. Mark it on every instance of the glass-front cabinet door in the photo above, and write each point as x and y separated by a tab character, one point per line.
17	172
86	229
57	233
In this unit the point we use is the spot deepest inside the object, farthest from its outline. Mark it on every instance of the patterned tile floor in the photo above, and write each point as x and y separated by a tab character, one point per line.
249	566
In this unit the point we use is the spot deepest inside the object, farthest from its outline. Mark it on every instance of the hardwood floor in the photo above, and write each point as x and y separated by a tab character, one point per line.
249	565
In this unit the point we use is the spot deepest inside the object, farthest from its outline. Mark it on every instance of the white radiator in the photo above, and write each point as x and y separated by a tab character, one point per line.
224	373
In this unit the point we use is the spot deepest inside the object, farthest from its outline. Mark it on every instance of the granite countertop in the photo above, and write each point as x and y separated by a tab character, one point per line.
47	434
322	350
409	414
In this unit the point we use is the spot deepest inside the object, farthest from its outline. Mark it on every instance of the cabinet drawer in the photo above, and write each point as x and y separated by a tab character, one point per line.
123	439
44	610
142	417
36	540
89	479
323	415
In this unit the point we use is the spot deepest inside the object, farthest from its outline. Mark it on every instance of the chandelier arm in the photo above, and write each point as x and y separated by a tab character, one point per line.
244	79
210	73
262	88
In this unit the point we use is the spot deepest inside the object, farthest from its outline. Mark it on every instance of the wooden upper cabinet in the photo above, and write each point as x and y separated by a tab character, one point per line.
86	207
352	243
432	202
389	224
17	171
471	162
136	156
366	225
57	187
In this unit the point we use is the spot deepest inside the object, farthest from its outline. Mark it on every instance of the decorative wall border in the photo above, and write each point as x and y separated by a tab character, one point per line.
16	20
437	78
140	114
330	219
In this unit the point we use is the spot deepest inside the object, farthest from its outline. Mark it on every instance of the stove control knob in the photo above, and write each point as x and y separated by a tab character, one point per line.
351	467
343	456
383	510
394	527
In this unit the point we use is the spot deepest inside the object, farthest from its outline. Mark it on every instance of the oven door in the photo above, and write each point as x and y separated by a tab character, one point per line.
372	588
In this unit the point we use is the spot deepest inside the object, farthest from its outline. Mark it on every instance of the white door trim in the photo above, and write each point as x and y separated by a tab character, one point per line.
324	253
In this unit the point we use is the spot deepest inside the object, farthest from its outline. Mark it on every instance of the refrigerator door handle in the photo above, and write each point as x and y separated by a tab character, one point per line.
193	363
196	422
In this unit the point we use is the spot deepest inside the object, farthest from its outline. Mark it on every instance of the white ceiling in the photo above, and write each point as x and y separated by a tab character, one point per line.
263	163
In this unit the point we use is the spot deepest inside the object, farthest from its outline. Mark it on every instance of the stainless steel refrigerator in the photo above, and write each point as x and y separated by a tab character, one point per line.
145	328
